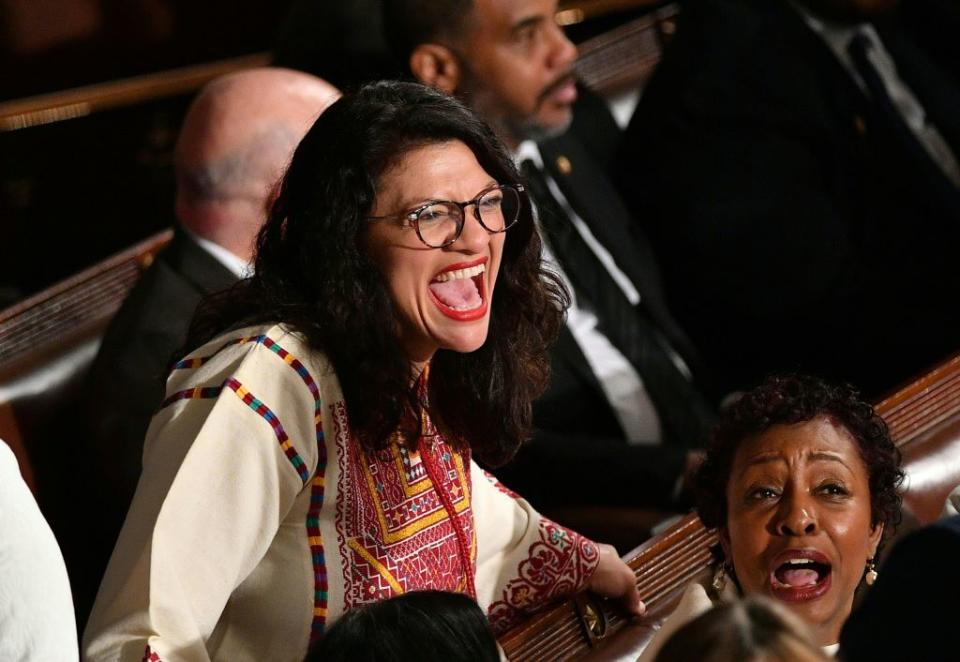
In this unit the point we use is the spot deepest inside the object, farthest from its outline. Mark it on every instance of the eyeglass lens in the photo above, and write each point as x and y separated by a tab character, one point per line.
441	223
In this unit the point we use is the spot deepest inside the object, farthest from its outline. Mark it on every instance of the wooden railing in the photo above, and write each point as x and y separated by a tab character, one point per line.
88	298
81	101
625	57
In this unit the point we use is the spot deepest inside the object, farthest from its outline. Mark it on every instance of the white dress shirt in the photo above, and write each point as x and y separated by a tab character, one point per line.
621	383
235	265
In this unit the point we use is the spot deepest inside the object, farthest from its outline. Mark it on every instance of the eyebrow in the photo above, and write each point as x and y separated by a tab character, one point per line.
426	201
529	22
815	456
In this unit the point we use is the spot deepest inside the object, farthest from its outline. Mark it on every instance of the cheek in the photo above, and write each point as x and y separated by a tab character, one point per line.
748	542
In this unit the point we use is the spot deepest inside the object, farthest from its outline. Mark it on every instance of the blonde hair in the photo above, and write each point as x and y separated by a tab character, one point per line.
754	629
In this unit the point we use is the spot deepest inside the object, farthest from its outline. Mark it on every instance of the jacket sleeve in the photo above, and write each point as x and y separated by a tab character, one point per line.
524	561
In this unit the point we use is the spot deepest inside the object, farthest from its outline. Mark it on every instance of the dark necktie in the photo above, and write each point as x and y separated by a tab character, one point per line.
888	115
683	414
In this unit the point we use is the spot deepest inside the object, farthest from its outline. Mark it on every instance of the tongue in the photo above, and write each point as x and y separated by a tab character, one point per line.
801	577
460	293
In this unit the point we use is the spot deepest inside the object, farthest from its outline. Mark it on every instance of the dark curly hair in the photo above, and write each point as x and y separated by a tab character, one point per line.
313	274
788	399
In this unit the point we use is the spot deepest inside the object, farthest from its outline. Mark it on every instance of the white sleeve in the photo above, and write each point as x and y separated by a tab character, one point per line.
524	560
216	485
36	607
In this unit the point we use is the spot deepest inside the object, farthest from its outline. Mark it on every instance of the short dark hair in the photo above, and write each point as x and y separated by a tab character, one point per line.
409	23
432	626
789	399
313	273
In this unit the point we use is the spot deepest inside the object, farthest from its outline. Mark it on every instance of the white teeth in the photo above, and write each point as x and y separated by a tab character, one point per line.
459	274
800	561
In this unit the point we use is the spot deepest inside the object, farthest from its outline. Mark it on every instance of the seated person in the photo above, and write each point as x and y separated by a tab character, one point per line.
911	611
36	610
796	164
801	478
754	629
428	626
315	450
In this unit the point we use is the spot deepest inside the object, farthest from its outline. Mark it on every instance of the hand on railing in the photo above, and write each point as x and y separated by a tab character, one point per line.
614	579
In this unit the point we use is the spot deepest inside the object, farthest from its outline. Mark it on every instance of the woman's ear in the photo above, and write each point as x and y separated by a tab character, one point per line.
725	543
876	533
436	66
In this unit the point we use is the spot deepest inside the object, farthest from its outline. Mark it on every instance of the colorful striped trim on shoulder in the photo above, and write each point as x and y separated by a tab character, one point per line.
314	537
196	362
199	392
267	414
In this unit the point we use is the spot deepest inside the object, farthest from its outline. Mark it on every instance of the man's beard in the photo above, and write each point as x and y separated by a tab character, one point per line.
512	127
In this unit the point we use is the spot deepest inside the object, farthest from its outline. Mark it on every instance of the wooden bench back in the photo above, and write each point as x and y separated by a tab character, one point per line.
47	343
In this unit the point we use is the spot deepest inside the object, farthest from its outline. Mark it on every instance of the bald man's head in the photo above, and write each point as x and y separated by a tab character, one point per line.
236	140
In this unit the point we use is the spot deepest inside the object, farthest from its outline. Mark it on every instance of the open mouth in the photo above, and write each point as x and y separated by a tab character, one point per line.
799	576
459	291
563	91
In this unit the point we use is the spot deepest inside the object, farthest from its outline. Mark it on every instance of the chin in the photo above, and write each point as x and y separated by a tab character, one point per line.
466	344
545	126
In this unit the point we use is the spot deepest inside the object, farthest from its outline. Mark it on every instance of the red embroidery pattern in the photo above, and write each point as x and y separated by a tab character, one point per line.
394	532
150	656
500	486
558	564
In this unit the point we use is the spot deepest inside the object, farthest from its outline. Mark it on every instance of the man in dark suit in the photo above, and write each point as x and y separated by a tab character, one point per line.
621	413
910	613
235	142
797	166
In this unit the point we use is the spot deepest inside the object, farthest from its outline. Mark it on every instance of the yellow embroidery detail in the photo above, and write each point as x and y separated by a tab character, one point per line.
358	548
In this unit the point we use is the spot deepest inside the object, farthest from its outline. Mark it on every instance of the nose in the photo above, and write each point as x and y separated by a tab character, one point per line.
796	517
563	52
473	238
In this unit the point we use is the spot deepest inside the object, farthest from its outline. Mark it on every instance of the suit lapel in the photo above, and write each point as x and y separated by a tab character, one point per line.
202	270
591	195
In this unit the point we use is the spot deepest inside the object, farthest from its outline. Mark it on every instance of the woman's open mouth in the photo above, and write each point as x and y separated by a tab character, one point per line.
459	291
800	575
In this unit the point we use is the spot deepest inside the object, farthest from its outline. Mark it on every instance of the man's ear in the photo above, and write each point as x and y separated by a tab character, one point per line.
436	66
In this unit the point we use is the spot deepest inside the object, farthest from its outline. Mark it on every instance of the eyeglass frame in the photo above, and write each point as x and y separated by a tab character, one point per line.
414	214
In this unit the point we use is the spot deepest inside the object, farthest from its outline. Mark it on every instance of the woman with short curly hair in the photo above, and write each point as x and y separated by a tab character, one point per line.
802	480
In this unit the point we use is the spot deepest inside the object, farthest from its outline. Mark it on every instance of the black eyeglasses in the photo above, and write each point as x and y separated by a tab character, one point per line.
439	223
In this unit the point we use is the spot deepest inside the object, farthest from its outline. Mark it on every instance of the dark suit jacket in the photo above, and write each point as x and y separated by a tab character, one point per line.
792	232
910	613
129	373
579	455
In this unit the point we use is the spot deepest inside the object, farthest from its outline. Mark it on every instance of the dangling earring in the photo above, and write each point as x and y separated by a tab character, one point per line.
719	579
871	572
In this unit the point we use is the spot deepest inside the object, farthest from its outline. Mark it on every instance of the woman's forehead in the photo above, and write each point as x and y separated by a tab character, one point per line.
817	441
446	171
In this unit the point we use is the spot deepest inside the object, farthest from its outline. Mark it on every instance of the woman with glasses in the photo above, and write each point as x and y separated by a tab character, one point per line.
315	449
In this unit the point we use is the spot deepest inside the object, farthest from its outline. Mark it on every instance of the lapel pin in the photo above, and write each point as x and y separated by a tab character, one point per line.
860	125
564	165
